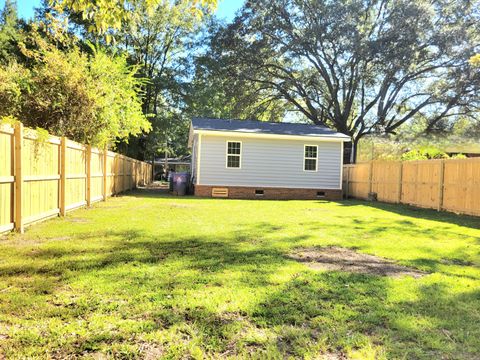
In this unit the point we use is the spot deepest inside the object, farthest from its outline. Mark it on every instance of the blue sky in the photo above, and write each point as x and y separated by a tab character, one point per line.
226	8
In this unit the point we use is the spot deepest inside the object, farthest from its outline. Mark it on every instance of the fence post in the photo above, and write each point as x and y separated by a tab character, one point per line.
400	179
441	179
89	173
347	168
18	135
124	172
115	173
105	173
370	178
63	175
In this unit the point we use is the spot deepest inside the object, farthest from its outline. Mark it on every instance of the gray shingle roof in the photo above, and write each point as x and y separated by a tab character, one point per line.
263	127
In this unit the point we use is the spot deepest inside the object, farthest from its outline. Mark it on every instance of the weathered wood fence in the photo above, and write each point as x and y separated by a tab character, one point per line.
41	178
450	184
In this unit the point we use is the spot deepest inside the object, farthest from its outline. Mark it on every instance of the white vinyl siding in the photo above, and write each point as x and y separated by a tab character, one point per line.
270	163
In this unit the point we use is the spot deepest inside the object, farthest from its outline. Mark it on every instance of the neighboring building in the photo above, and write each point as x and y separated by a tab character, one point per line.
252	159
469	150
173	164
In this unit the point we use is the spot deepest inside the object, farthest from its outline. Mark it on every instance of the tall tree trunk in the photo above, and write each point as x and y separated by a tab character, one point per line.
353	151
165	166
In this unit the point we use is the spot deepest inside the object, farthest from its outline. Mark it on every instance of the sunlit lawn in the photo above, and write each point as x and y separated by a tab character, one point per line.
152	276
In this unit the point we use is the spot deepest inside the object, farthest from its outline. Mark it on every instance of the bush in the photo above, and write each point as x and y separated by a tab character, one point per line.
425	154
91	98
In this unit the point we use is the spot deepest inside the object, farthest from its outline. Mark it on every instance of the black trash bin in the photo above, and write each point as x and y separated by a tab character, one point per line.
180	183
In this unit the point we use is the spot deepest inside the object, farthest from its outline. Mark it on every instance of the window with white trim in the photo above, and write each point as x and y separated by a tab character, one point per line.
234	154
310	158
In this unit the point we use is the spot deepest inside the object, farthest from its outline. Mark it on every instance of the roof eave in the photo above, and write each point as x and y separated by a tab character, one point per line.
333	137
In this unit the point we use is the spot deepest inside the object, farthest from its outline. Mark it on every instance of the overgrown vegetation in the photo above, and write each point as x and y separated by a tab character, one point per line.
209	278
422	148
86	94
364	72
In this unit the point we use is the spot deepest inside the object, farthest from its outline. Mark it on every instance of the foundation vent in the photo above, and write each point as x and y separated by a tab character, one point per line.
220	192
259	193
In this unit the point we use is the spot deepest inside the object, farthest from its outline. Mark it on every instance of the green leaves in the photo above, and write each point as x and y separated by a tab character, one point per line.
92	98
112	14
475	60
362	67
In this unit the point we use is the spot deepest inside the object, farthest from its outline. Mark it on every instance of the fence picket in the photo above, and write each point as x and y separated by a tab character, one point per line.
452	184
41	180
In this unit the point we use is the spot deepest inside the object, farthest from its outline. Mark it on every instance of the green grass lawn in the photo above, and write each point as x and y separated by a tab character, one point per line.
151	276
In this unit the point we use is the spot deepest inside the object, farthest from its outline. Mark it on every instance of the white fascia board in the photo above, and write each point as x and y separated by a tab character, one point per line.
272	136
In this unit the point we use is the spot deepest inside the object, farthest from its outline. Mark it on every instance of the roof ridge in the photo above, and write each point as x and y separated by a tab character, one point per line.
261	121
266	127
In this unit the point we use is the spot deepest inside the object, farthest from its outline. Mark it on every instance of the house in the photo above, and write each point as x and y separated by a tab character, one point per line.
469	150
181	164
255	159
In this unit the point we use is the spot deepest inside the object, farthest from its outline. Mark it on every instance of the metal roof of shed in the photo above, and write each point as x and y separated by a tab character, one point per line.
264	127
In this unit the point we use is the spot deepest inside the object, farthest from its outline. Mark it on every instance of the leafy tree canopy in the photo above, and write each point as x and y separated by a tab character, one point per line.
89	97
360	66
113	14
215	91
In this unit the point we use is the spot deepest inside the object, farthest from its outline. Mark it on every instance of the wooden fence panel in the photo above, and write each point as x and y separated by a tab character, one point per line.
6	177
40	178
385	180
96	175
118	173
40	171
452	184
421	182
462	186
76	175
359	180
110	173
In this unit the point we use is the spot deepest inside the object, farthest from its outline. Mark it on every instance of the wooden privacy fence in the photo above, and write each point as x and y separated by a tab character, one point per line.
450	184
41	178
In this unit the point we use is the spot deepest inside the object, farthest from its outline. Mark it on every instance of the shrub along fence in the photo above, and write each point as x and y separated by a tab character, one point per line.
450	184
41	178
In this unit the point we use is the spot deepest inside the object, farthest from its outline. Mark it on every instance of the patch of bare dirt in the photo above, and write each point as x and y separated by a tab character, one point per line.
151	351
341	259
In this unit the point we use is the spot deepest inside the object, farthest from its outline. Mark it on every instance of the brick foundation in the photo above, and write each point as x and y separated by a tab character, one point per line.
243	192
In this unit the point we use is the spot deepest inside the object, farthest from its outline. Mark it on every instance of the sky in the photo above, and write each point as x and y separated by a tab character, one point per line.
226	8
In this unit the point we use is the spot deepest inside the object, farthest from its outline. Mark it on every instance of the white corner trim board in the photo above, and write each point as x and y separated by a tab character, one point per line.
198	157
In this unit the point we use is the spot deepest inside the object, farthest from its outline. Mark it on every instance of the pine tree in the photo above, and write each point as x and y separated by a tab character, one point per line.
9	31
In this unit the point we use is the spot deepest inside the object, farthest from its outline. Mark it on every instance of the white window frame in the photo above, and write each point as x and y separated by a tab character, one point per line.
310	158
239	155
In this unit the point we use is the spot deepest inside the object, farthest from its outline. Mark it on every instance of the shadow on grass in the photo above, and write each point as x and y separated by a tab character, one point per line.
418	213
313	312
338	311
156	281
121	247
400	209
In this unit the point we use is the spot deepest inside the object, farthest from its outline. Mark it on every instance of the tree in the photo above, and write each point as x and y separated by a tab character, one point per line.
159	42
360	66
91	98
214	92
113	14
475	60
10	33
